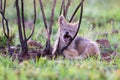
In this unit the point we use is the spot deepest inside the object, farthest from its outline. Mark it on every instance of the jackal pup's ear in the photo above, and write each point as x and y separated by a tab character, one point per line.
62	20
76	24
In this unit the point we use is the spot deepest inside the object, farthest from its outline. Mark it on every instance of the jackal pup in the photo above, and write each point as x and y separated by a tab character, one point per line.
80	48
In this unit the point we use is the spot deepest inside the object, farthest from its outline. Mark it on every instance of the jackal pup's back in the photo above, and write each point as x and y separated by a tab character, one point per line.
80	48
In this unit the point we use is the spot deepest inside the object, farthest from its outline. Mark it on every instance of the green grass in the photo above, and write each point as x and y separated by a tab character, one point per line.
103	14
90	68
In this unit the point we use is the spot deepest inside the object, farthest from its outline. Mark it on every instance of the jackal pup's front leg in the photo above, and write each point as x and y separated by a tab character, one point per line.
70	53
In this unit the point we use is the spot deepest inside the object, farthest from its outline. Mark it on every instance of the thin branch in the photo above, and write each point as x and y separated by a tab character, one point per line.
63	2
77	29
3	18
67	6
44	20
81	3
22	34
33	28
51	18
6	19
64	9
48	45
1	12
4	6
19	22
7	27
47	48
34	12
43	14
23	19
48	29
1	4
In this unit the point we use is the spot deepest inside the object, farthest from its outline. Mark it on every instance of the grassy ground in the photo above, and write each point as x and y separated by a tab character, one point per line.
102	15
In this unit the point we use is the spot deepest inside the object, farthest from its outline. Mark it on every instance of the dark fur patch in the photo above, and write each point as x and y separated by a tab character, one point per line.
77	41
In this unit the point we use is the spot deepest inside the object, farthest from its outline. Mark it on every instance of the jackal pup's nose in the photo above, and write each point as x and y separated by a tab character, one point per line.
67	32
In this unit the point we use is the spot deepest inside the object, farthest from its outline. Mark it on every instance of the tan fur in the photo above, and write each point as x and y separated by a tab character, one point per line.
80	48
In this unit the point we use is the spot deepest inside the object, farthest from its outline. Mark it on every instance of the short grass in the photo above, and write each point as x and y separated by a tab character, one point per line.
103	14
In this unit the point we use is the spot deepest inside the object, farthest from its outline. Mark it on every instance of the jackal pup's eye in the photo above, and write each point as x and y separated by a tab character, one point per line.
71	30
65	29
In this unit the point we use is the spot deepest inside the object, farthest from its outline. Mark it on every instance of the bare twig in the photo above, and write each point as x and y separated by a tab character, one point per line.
48	45
23	19
63	2
7	35
43	14
81	3
64	12
34	11
7	27
67	6
23	26
6	19
22	33
4	6
3	18
1	4
47	49
19	24
80	19
2	13
44	20
51	18
33	28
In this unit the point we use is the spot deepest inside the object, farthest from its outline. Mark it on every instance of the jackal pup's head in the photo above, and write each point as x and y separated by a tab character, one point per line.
67	30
